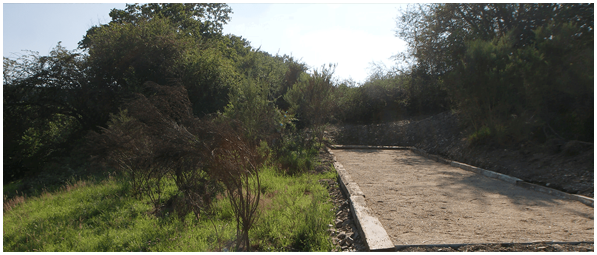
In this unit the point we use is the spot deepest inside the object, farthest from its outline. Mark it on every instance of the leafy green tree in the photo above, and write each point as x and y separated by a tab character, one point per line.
292	75
194	19
129	55
171	44
436	33
312	99
501	64
558	79
251	104
486	86
49	103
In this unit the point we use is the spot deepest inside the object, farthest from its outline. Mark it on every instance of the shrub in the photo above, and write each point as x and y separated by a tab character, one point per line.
312	100
157	137
296	153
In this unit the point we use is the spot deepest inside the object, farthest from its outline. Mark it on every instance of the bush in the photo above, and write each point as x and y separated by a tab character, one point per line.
312	100
296	153
157	137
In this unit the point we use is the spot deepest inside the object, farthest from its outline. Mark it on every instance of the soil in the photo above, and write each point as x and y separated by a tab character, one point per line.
557	163
423	202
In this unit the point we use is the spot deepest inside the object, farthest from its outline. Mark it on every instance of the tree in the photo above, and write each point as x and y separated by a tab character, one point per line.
436	33
49	103
312	99
501	64
128	55
171	44
194	19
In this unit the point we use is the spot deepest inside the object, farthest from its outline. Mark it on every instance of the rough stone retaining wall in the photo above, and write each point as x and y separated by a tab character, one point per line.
369	226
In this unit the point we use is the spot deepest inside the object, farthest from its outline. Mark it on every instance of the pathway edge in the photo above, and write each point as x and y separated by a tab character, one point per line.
369	226
458	245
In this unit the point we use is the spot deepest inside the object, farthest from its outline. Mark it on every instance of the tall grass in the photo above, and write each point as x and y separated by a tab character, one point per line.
294	212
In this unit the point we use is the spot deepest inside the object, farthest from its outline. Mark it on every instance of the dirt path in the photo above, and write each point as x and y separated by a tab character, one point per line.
420	201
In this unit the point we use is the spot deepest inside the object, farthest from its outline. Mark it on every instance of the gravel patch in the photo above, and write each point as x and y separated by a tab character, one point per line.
420	201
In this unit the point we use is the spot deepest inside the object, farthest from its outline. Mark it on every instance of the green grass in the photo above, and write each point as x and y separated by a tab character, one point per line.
103	217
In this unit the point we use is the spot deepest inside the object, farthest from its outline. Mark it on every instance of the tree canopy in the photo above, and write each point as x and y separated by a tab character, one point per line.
51	101
496	61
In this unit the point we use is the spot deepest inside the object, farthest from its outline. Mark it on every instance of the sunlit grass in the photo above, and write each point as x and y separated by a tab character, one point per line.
294	214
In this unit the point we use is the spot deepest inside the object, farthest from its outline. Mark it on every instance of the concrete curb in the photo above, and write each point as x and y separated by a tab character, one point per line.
371	147
458	245
513	180
376	237
585	200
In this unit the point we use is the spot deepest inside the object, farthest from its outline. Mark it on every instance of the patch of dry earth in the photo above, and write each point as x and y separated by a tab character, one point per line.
420	201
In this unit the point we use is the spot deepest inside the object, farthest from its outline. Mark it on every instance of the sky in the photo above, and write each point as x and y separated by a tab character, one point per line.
353	36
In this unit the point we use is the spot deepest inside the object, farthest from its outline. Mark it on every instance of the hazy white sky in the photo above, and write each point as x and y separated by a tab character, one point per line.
350	35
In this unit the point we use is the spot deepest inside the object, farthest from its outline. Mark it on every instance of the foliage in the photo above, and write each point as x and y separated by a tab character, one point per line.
158	137
130	54
501	65
389	95
148	142
312	99
151	133
519	83
48	105
195	19
251	103
436	33
170	44
296	154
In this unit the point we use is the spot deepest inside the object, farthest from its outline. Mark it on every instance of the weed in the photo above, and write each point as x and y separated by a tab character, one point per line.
10	203
480	135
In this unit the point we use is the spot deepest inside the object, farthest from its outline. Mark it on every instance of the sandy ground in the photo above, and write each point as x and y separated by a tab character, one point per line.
420	201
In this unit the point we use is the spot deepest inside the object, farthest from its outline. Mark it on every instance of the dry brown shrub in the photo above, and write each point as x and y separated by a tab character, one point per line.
235	161
148	141
157	137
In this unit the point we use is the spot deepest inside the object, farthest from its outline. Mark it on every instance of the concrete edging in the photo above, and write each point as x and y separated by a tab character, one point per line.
456	246
513	180
376	237
380	147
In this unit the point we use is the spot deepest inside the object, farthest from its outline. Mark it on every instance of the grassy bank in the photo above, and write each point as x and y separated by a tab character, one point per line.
294	213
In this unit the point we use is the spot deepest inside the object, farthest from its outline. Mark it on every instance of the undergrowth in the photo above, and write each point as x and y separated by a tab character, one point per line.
294	212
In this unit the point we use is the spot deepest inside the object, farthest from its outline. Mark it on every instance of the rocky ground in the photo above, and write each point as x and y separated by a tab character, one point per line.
343	233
